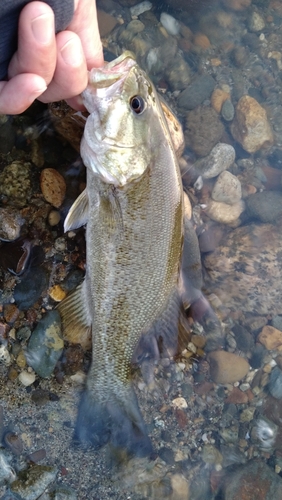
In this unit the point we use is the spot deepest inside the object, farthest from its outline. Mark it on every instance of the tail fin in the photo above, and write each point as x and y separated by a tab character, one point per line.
120	424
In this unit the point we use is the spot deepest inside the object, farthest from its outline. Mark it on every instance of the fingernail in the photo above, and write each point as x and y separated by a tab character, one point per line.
43	28
72	52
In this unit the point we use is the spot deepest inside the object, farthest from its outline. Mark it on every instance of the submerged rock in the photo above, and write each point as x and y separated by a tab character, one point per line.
221	157
227	189
15	183
265	206
246	269
30	288
45	344
32	482
199	90
226	367
203	130
250	126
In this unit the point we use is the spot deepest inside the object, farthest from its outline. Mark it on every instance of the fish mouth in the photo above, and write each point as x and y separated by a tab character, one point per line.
112	71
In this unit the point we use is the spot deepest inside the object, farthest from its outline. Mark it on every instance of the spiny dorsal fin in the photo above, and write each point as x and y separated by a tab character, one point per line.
78	213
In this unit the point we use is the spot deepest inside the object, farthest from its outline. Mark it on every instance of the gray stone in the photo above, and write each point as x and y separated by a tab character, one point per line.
275	383
228	110
265	206
221	157
199	90
32	482
227	188
45	345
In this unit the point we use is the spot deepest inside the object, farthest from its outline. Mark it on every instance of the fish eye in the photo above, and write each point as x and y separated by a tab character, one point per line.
137	104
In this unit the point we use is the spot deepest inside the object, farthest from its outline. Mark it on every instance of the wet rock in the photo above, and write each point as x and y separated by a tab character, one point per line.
15	183
180	487
27	378
250	126
199	90
7	473
226	367
227	189
244	340
275	383
54	217
30	288
63	492
13	442
253	481
224	213
221	157
141	7
32	482
256	22
265	206
276	322
237	5
218	98
45	344
178	73
236	396
10	224
106	22
245	270
270	337
210	454
203	130
227	111
53	186
171	25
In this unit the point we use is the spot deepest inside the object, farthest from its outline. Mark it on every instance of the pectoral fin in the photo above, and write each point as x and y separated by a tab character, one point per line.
78	213
76	317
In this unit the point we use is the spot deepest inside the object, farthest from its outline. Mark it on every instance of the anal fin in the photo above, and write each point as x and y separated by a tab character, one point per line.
75	311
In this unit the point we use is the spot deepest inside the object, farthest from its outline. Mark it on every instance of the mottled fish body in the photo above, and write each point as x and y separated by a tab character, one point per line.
133	208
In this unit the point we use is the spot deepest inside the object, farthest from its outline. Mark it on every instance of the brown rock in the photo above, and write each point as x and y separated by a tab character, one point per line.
270	337
250	126
237	396
226	367
53	186
237	4
218	97
202	41
252	481
106	22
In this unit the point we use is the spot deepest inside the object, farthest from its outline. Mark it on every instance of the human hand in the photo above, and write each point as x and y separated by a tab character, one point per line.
51	67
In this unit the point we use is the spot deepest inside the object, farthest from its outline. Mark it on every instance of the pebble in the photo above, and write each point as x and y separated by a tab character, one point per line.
5	355
180	487
211	455
226	367
221	157
30	288
250	126
26	378
33	481
7	473
275	383
236	396
254	480
57	293
265	206
227	110
218	98
53	186
178	73
224	213
200	40
199	90
227	189
54	217
270	337
277	322
139	8
45	345
237	5
15	183
171	25
63	492
10	224
179	403
256	22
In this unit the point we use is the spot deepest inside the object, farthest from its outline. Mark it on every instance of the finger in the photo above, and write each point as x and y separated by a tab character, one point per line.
36	42
17	94
70	77
85	24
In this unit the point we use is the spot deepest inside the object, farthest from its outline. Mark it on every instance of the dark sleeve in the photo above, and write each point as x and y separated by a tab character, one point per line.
9	15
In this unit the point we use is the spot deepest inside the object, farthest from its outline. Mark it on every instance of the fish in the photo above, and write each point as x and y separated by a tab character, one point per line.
134	214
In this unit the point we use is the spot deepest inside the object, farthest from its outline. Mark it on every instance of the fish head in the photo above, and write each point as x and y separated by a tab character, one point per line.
121	133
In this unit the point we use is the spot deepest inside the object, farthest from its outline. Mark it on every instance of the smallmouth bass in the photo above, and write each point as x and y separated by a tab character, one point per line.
133	211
